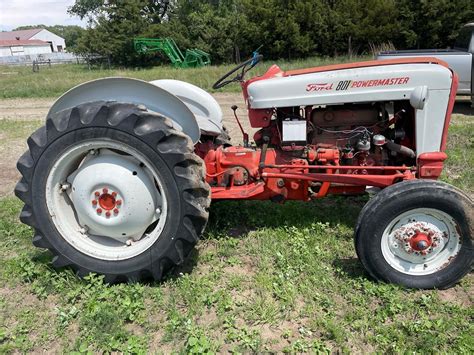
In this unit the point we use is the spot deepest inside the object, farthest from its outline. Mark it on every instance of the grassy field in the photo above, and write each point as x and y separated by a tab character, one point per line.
265	278
54	81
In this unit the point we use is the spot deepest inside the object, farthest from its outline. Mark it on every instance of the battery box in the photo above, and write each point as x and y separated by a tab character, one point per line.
294	132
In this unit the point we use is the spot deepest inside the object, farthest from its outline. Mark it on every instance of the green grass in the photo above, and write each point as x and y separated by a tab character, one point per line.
265	278
54	81
12	130
459	170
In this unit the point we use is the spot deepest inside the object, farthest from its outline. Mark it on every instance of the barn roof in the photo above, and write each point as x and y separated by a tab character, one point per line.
15	42
22	34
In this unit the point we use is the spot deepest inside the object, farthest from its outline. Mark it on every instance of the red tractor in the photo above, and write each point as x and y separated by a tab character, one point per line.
120	179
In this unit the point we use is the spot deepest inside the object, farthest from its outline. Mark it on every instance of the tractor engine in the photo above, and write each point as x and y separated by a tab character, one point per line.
376	134
328	124
335	130
349	139
361	133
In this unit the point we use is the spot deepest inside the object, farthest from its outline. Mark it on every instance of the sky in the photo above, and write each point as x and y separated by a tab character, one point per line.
14	13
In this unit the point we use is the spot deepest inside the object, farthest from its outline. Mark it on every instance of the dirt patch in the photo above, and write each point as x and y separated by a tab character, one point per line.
226	100
8	173
458	296
24	109
24	313
207	318
281	334
246	268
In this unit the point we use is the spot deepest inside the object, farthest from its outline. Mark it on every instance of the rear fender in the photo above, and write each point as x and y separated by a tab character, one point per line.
134	91
206	109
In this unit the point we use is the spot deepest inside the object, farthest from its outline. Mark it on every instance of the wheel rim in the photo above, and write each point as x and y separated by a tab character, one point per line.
421	241
106	200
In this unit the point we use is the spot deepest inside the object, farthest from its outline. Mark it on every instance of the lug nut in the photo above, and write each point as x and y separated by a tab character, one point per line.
105	190
107	214
116	211
118	202
114	194
94	202
99	210
97	193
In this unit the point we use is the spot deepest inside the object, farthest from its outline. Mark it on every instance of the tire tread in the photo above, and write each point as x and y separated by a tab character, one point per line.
155	130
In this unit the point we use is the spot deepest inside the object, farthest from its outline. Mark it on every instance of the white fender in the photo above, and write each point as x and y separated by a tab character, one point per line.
134	91
205	108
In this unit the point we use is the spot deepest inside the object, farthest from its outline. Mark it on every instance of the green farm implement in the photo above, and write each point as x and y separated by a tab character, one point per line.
191	59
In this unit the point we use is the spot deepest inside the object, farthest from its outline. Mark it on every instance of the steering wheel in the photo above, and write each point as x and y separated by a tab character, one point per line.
244	67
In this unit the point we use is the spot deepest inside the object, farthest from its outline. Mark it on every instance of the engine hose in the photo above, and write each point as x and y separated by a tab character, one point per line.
394	147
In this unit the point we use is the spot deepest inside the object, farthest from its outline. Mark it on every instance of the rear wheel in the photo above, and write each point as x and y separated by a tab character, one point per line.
114	189
417	234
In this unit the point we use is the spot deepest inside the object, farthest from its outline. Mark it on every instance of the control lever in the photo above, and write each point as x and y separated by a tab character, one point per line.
244	134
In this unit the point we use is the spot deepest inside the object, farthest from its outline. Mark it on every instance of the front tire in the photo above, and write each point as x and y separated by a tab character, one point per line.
114	189
418	234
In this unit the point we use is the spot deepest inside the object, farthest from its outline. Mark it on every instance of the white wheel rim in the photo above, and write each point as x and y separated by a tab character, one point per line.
132	222
421	241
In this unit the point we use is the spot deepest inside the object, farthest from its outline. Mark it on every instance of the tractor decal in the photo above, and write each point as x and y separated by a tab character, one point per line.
380	82
319	87
346	84
343	85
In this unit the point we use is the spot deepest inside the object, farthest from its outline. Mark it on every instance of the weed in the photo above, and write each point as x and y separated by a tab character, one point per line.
197	342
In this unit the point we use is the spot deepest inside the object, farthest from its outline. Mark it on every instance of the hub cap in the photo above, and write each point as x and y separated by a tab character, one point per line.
421	241
106	200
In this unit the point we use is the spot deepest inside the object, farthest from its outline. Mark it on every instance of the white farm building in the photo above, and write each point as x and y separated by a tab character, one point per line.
30	42
19	47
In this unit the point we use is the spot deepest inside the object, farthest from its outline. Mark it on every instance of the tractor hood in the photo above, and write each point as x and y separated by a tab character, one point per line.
364	84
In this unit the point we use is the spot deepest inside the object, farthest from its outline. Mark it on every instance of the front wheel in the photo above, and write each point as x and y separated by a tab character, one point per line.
114	189
418	234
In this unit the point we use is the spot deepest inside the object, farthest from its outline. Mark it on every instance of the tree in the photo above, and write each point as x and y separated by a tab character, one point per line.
153	10
434	23
284	28
113	25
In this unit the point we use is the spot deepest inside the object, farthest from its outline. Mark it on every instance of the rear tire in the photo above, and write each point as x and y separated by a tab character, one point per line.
168	171
418	234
